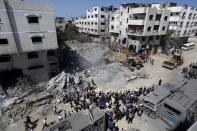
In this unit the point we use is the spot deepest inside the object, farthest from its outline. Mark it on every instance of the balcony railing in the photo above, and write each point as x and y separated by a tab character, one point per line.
136	22
136	32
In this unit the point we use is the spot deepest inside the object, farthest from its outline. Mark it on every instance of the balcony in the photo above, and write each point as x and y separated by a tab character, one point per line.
139	10
135	30
136	22
137	19
174	18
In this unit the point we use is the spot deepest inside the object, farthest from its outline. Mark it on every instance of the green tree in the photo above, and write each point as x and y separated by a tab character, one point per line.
168	40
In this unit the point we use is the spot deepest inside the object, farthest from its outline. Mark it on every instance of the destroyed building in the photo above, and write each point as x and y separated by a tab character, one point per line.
27	40
86	120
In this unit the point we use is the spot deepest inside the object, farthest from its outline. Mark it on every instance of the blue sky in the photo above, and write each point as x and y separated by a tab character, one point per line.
75	8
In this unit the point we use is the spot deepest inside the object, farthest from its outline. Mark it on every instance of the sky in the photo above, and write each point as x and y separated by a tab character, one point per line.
76	8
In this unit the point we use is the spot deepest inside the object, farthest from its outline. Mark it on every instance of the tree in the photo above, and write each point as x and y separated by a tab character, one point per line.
168	40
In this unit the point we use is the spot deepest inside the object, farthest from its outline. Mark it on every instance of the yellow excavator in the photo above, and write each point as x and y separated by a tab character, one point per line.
175	60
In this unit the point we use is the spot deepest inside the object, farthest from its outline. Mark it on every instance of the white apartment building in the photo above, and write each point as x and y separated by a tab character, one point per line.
183	20
27	40
96	22
139	26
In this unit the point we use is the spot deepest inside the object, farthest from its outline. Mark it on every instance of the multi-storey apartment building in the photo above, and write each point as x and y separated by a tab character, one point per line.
27	40
138	26
96	22
183	20
60	23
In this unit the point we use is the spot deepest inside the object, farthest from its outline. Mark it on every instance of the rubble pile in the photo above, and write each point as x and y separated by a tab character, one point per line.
30	98
113	75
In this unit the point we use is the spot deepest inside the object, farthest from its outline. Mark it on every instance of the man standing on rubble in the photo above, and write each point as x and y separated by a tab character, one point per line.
160	82
44	123
55	110
27	122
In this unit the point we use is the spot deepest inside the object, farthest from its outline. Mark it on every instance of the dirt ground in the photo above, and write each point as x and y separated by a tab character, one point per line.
157	72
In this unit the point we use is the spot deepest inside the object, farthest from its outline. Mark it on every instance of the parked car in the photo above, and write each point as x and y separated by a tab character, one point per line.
188	46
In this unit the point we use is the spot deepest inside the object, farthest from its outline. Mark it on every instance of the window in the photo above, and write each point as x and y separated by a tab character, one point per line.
156	27
95	9
157	37
36	39
128	10
120	22
102	9
149	28
133	38
124	41
120	32
163	28
102	30
92	23
127	20
95	30
51	53
102	23
143	39
88	16
5	58
95	23
121	13
112	18
158	17
102	16
33	19
166	18
53	64
112	27
35	67
151	38
32	55
92	29
96	15
3	42
151	17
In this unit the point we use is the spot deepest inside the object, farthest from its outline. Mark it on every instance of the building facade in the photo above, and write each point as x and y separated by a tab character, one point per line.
95	23
138	26
27	40
183	20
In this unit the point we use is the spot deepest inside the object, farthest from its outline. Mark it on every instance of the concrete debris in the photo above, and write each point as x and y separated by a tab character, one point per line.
8	103
57	82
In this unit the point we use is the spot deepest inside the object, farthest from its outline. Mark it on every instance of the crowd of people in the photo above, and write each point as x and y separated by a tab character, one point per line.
116	104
